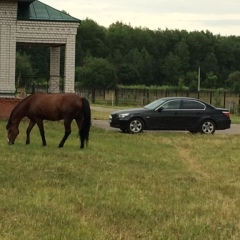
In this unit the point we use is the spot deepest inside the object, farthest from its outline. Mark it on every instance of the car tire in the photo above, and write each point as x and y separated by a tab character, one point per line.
208	127
135	125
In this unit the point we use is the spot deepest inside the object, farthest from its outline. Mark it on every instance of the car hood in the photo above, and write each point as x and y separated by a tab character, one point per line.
132	110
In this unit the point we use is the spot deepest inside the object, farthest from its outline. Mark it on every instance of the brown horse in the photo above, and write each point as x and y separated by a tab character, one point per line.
41	106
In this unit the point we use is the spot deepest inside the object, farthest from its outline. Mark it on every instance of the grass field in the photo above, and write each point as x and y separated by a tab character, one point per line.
144	186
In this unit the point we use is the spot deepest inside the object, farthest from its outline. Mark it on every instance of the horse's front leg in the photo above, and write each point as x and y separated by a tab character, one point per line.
67	125
29	129
41	129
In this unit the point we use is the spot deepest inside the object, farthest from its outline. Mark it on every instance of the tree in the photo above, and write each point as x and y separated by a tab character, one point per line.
146	69
120	37
227	50
191	80
117	57
23	69
39	57
172	69
96	73
234	81
127	75
183	53
160	57
210	81
91	39
209	66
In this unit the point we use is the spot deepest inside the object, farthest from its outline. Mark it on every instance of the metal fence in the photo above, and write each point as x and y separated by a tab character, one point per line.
38	84
141	97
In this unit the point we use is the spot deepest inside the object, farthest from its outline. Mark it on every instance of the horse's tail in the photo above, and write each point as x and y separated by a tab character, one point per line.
84	132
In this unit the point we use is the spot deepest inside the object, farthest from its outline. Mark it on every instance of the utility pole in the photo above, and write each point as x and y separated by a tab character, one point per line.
199	80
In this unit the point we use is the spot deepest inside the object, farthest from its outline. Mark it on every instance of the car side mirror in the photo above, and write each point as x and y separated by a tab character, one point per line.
160	109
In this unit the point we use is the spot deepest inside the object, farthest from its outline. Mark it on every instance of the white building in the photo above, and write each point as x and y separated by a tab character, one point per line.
33	22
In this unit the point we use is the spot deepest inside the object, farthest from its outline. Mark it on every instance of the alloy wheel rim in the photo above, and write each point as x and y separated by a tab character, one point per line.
135	126
207	127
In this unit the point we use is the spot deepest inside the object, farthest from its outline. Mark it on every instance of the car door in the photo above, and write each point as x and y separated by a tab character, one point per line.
166	116
191	111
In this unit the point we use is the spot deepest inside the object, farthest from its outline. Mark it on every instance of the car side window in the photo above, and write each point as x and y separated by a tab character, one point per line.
189	104
170	105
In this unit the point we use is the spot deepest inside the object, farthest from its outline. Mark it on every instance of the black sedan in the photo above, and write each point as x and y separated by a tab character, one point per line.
172	113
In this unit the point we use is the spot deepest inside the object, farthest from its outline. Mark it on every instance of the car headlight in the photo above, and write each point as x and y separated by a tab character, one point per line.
123	115
110	117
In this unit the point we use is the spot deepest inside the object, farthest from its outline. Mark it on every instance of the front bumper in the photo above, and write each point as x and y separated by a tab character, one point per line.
118	123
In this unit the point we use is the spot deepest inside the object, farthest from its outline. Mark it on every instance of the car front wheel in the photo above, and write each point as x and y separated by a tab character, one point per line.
208	127
135	125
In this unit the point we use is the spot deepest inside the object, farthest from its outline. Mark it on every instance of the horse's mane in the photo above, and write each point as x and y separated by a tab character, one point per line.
17	106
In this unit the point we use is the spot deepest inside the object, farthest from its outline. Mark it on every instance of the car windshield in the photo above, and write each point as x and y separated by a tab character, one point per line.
155	103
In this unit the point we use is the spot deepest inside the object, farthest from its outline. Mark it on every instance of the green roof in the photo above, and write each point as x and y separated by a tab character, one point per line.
38	11
25	0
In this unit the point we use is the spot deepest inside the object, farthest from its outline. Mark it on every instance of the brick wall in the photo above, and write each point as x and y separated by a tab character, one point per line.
8	15
6	106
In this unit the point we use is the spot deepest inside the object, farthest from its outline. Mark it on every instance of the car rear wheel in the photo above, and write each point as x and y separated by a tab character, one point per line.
135	125
208	127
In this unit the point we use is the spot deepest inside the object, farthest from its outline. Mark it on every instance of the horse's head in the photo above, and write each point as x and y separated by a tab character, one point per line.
13	131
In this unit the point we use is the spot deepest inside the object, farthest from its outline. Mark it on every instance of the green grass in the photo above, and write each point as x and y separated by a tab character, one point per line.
97	115
235	118
144	186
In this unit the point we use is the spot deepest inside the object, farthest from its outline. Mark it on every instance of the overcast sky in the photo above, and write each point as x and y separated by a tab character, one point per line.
218	16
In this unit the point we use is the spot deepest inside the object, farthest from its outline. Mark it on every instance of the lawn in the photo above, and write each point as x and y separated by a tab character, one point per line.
235	118
123	186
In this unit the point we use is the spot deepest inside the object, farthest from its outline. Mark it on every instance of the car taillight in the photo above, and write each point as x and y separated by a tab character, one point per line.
226	113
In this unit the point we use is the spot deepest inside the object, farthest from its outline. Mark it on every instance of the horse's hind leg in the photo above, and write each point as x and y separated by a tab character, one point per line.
67	125
29	129
41	129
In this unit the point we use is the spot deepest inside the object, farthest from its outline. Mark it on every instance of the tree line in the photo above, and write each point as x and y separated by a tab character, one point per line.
122	55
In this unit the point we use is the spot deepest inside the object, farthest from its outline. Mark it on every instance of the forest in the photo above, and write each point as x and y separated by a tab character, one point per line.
122	55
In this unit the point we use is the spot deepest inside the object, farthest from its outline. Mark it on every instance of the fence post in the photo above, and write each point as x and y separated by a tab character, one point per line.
224	99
